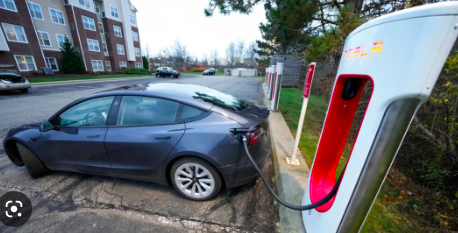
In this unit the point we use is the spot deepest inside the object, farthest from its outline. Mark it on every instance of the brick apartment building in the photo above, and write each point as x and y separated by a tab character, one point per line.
104	32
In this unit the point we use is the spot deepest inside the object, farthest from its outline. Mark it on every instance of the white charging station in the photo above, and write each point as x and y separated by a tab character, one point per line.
402	54
277	87
273	75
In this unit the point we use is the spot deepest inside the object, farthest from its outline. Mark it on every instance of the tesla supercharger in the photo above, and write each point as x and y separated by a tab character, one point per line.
273	75
267	79
401	54
277	87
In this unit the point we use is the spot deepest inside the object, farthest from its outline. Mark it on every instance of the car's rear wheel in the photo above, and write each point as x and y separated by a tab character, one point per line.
25	90
195	179
157	75
34	165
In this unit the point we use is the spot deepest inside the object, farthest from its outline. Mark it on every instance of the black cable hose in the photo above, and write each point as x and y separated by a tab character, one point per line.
294	207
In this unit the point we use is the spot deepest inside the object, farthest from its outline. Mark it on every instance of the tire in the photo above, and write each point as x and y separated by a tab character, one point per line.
157	75
205	188
25	90
34	165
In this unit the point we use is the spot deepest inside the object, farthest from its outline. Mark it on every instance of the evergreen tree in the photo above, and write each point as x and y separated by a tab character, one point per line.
145	62
71	60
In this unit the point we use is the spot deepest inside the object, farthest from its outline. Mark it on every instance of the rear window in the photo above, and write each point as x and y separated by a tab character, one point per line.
223	100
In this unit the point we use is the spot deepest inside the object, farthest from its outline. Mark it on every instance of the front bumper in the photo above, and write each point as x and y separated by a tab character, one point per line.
14	86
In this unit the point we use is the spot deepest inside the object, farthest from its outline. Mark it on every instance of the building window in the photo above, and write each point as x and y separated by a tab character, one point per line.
51	62
135	35
35	10
108	65
43	37
57	16
120	48
93	45
14	33
137	52
60	40
122	64
133	19
88	23
96	7
25	63
101	28
105	48
114	12
8	5
117	31
138	65
85	3
97	65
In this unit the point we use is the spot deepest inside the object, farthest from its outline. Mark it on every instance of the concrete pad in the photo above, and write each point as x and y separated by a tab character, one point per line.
290	180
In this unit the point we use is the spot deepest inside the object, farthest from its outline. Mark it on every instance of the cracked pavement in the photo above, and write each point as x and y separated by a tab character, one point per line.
75	202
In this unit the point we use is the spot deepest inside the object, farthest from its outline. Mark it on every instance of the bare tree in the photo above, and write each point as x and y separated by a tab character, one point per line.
178	54
146	52
231	54
239	50
214	57
250	54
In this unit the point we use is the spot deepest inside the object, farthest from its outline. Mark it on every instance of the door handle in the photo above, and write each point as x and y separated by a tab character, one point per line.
93	136
164	138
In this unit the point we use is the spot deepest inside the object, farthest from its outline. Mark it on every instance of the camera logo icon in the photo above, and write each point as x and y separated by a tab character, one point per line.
15	209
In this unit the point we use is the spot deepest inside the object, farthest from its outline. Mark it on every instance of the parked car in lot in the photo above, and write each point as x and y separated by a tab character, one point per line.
178	134
12	81
163	72
210	71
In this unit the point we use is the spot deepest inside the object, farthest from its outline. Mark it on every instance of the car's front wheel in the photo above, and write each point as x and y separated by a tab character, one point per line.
34	165
195	179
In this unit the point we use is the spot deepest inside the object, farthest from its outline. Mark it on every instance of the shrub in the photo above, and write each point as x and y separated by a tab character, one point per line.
125	70
198	69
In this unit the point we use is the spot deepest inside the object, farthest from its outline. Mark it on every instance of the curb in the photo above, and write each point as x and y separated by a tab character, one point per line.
87	81
290	180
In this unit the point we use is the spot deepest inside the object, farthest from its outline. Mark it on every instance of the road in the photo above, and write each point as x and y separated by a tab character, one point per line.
74	202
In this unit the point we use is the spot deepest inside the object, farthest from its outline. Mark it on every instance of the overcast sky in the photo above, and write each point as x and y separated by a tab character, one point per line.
161	22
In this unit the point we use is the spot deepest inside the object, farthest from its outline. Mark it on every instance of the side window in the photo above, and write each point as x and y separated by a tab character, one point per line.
138	110
189	113
92	112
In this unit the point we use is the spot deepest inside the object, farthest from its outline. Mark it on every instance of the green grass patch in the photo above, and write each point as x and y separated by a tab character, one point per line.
386	215
56	79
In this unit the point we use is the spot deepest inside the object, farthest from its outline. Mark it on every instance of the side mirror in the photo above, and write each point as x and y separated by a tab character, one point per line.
46	126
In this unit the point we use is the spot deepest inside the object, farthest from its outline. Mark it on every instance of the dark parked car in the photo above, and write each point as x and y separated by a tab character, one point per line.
163	72
178	134
210	71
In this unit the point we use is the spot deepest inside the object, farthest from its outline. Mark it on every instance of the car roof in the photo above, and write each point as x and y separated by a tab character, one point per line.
12	74
185	93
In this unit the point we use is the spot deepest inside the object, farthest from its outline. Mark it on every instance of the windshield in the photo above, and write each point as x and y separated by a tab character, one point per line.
223	100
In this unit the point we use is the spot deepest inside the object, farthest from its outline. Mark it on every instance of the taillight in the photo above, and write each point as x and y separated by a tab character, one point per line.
256	136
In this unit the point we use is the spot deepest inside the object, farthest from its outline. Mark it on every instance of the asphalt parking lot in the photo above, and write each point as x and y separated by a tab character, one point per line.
71	202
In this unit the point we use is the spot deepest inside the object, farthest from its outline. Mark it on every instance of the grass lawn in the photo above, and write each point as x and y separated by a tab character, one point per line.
56	79
386	215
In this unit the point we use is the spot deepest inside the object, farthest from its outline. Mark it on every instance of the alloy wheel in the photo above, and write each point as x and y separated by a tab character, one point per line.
194	180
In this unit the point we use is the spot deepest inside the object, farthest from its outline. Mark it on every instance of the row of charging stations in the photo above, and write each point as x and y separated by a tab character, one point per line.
274	77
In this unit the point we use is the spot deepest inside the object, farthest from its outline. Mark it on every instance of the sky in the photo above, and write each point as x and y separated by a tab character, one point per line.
161	22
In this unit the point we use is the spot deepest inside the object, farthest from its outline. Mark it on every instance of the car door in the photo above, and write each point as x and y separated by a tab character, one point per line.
145	133
77	141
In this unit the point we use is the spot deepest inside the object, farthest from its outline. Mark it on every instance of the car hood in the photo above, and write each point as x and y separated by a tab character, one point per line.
249	117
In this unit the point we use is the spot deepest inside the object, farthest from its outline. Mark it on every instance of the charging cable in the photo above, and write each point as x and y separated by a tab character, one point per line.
294	207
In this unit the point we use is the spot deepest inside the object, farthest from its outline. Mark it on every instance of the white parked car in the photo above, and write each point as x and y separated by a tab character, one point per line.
12	81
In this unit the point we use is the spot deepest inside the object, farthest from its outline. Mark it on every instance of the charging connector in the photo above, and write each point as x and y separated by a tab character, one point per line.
290	206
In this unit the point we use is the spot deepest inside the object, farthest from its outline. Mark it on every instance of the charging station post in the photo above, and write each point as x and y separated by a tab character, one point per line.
277	87
272	76
305	93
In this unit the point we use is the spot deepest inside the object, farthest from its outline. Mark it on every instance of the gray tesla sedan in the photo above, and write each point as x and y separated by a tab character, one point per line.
184	135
